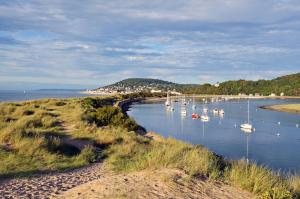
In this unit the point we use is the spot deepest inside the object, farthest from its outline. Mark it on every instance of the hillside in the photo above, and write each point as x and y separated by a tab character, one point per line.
289	85
141	84
134	82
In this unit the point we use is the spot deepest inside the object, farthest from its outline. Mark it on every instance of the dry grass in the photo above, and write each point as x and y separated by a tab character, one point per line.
31	142
30	137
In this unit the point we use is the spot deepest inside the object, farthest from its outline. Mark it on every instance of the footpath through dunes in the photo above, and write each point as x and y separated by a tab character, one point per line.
159	184
97	181
49	185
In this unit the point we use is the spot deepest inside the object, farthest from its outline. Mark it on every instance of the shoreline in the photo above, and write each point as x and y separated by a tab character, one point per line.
170	148
287	108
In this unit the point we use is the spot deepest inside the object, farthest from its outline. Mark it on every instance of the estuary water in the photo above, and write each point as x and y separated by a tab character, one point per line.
10	95
274	143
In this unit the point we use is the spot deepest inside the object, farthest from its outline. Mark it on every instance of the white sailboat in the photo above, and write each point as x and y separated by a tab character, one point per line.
183	111
167	103
247	126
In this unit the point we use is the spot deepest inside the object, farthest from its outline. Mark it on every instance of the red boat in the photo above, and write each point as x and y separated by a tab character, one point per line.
195	116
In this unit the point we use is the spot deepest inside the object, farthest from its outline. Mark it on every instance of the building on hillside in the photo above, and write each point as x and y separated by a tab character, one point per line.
175	93
155	91
217	84
272	95
282	94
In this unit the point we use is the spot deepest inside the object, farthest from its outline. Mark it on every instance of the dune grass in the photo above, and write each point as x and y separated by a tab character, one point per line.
30	141
30	137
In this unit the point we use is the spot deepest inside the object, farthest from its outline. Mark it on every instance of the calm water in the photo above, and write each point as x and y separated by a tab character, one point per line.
223	135
38	94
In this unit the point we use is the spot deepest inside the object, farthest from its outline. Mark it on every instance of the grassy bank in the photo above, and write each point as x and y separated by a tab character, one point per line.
31	140
290	108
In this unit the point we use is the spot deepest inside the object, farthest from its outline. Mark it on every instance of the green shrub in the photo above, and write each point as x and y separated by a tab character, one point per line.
109	116
94	103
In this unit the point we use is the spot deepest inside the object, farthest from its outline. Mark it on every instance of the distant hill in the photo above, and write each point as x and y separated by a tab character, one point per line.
131	82
289	85
139	83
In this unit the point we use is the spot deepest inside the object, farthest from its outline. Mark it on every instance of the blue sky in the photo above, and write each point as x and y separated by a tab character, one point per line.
84	44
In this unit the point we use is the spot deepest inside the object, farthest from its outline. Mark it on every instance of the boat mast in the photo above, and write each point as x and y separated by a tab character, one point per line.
248	112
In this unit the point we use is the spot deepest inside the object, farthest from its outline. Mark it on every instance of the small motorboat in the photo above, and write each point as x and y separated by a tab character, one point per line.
195	116
246	126
205	118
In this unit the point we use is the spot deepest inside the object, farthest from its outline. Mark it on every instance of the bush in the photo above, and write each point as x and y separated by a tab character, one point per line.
94	103
109	116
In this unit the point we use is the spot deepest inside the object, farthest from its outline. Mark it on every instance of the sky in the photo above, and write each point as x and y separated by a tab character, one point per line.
86	44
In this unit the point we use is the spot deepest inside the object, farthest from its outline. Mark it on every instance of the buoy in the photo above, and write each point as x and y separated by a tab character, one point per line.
235	125
278	134
297	125
278	123
254	129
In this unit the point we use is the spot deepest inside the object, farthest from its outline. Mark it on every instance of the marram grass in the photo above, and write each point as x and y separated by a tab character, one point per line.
30	142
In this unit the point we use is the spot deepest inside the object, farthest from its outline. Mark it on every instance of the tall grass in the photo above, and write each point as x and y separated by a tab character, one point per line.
30	138
31	142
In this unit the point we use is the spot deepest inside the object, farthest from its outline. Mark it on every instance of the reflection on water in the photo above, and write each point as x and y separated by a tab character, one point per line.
275	141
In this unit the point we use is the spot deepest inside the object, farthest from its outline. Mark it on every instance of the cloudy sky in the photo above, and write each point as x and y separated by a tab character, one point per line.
83	44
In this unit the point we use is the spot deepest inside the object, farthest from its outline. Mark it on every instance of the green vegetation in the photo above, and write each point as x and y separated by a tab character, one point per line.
106	115
34	142
143	82
289	85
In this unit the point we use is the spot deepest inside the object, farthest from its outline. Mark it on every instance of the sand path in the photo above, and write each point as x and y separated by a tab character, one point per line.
50	185
166	183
